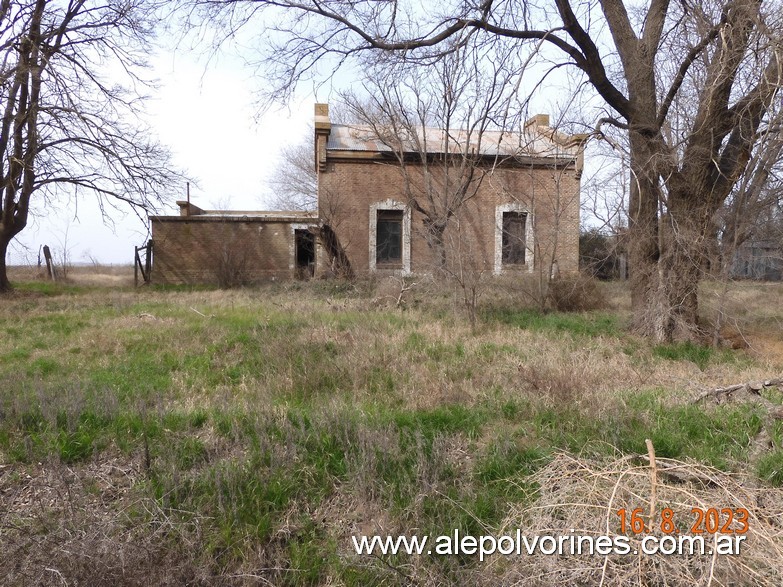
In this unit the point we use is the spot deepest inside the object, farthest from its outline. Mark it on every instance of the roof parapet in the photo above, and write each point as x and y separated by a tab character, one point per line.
188	209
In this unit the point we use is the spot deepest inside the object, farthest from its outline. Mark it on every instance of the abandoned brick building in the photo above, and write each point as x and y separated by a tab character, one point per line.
232	247
520	210
516	208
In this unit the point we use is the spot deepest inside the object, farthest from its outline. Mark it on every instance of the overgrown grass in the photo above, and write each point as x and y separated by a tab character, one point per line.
270	425
581	324
698	354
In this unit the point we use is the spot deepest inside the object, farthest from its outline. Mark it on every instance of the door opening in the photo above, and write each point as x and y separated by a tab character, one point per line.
305	253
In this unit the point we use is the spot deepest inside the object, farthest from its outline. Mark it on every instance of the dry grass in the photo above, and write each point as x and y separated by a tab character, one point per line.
175	436
582	497
89	275
103	276
89	523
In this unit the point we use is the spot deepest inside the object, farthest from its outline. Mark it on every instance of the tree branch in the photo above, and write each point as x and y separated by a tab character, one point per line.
663	111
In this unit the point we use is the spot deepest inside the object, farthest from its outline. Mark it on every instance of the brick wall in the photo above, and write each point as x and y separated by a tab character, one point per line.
194	249
348	189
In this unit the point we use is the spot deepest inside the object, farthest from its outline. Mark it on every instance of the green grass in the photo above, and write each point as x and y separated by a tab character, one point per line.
503	469
770	468
444	420
698	354
262	427
582	324
719	436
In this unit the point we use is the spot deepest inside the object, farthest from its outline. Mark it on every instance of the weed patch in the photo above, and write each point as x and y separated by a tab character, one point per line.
586	324
770	468
42	367
702	356
450	419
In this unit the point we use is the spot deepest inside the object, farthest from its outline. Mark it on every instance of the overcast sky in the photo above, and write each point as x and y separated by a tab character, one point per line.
206	115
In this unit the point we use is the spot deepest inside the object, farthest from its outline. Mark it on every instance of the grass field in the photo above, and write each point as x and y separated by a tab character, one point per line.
198	436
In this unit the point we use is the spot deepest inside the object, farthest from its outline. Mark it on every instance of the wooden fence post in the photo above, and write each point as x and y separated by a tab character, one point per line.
50	268
148	262
146	267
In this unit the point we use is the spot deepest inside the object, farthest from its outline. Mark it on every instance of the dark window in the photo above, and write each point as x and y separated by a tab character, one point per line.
388	237
514	238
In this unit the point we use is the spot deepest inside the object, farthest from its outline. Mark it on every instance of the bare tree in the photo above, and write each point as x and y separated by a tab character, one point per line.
751	214
750	209
690	84
436	122
66	127
295	182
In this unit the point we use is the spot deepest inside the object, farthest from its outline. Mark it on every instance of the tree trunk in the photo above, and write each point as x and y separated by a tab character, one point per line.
435	240
668	311
647	299
668	249
5	285
675	311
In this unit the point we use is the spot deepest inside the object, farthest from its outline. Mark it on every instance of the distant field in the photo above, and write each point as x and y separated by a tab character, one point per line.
197	436
97	275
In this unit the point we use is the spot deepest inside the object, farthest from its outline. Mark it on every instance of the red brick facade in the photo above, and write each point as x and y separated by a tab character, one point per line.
355	184
363	206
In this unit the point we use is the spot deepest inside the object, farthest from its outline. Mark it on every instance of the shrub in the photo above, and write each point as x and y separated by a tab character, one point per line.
576	293
230	267
600	255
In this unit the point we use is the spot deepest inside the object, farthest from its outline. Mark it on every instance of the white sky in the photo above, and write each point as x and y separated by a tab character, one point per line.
205	115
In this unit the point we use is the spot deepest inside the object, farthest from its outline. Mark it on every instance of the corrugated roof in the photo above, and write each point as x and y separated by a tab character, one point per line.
435	141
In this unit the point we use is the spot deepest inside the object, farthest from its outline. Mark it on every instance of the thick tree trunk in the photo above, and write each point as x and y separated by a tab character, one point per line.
643	237
668	308
5	285
668	250
674	315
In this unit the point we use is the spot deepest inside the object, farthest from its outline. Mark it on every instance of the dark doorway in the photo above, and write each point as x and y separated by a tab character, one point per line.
305	253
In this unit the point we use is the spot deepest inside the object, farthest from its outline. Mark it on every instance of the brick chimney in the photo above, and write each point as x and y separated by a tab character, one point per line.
538	121
188	209
323	127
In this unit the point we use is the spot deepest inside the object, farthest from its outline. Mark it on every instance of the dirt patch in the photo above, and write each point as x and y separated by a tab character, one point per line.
768	346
